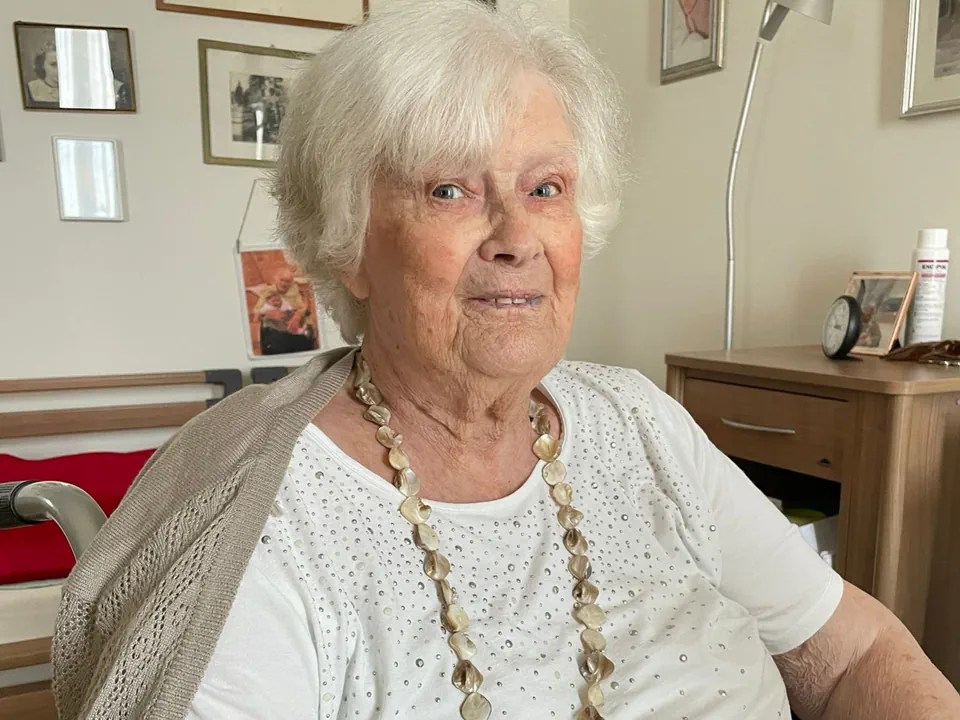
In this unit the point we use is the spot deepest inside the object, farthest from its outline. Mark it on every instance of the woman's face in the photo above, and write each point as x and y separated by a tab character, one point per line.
51	74
481	270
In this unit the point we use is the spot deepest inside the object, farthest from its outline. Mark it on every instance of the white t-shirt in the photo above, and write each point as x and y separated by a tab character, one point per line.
701	577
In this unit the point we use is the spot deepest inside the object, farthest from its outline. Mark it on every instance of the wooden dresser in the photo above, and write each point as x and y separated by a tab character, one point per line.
887	432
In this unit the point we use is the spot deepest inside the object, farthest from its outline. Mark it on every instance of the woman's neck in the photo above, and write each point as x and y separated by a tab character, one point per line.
466	435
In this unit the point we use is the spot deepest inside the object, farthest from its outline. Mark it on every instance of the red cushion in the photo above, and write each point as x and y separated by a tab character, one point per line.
41	552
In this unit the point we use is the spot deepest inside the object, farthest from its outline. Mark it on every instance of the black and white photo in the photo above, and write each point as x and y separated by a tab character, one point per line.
257	105
243	97
74	67
948	39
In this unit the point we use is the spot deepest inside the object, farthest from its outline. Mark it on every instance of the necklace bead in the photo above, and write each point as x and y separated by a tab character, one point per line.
585	592
592	640
579	567
475	707
462	645
569	517
554	472
590	615
425	537
436	566
377	414
455	618
398	459
575	542
407	482
546	448
388	438
414	511
466	677
562	493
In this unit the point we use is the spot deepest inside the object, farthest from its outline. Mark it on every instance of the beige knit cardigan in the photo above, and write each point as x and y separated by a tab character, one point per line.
142	610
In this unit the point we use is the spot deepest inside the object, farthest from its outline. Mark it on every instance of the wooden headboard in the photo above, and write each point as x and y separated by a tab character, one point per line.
32	423
29	612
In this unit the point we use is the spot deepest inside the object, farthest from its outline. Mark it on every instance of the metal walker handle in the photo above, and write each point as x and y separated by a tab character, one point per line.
29	502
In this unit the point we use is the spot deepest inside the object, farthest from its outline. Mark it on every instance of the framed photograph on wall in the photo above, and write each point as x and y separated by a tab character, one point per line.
243	97
75	67
329	14
931	80
691	38
884	299
280	312
89	179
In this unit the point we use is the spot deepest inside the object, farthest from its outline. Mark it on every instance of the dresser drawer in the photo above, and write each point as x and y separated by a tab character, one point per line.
788	430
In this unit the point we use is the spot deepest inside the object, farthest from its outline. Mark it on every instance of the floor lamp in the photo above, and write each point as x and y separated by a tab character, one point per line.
773	16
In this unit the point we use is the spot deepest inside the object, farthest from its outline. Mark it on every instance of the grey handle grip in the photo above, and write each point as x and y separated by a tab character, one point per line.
758	428
9	518
29	502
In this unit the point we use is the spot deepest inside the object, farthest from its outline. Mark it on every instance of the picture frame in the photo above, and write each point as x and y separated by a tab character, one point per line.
274	294
100	59
692	38
931	80
884	299
89	179
243	100
329	15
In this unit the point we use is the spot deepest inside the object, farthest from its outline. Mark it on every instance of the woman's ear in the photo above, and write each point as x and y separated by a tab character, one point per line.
356	281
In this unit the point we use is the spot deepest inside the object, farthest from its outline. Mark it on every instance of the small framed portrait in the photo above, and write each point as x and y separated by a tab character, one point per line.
932	77
329	14
280	310
692	38
75	67
243	98
884	299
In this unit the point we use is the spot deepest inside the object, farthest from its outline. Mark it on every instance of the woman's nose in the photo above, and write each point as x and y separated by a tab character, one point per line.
512	240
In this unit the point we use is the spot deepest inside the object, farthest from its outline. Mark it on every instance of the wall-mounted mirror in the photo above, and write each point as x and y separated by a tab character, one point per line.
88	179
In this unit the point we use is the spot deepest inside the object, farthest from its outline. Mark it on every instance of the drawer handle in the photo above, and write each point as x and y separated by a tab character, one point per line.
757	428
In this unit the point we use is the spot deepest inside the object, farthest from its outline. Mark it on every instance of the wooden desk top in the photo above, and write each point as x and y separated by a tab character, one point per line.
809	365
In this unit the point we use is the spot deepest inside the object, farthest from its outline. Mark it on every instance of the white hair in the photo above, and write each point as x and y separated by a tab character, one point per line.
425	82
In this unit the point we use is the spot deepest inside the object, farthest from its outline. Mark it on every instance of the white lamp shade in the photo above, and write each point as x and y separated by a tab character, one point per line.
821	10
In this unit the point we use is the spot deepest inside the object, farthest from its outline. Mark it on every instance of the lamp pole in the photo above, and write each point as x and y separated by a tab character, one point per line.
774	13
731	184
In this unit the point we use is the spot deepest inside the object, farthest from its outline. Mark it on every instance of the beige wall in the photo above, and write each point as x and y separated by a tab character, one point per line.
831	181
155	293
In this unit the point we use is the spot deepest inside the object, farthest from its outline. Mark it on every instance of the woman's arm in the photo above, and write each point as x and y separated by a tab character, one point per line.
865	664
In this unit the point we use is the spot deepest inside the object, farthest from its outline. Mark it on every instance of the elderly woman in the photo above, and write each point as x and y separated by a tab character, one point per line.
450	520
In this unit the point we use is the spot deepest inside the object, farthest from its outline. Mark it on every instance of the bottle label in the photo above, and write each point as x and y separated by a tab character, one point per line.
925	322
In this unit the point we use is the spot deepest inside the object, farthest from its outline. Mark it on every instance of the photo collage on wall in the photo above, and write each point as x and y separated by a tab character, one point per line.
243	92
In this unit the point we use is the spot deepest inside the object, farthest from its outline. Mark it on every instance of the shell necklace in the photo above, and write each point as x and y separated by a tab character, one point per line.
594	665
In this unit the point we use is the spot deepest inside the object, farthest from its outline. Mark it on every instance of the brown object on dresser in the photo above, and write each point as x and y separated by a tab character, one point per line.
887	432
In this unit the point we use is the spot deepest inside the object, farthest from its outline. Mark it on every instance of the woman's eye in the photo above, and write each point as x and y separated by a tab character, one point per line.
547	189
447	192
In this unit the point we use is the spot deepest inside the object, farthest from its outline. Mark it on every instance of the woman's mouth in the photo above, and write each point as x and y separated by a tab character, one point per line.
510	301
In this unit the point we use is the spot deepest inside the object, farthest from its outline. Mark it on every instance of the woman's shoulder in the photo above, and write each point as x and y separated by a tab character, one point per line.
246	436
594	388
605	382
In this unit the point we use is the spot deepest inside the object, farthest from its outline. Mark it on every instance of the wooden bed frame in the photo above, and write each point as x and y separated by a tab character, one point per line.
34	700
